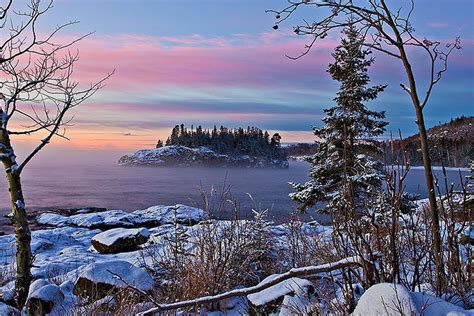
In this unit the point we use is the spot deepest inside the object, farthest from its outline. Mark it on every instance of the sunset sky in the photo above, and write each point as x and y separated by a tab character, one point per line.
220	62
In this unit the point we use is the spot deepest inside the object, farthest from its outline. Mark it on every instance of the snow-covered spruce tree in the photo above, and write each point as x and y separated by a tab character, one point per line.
343	174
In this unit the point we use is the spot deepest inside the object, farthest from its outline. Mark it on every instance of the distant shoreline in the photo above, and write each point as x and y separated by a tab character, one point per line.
440	168
417	167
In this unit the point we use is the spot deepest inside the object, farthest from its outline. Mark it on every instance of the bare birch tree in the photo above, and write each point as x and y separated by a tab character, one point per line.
37	92
387	29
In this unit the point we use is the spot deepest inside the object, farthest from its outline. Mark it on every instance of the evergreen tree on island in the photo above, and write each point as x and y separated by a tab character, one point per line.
251	141
343	175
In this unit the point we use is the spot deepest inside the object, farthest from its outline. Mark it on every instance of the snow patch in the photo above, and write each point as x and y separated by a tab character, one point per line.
293	285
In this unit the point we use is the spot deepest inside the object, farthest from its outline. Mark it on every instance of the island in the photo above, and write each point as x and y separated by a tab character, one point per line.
219	147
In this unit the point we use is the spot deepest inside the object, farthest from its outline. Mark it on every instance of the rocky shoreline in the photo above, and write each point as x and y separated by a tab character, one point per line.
85	256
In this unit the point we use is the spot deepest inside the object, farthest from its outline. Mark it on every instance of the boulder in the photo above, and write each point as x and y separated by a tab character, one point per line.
43	297
7	293
120	240
161	215
395	299
98	280
384	297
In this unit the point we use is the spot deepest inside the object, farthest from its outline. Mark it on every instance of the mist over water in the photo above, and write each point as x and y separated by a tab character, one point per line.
85	179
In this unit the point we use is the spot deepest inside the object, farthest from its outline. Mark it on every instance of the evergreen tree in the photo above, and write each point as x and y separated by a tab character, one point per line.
251	141
343	175
173	139
276	140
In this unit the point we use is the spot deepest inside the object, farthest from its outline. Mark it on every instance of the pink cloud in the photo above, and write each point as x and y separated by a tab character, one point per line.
145	62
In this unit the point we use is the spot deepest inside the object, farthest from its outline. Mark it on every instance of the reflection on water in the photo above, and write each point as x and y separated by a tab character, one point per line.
99	181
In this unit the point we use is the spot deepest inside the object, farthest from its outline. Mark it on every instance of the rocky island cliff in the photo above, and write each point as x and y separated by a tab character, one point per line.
218	147
176	155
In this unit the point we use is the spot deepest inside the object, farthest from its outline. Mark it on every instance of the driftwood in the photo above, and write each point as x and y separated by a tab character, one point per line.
295	272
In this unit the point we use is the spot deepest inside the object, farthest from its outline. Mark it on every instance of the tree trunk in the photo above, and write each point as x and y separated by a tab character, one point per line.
20	223
437	250
438	256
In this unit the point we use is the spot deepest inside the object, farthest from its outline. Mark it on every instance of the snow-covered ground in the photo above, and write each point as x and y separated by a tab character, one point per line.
67	264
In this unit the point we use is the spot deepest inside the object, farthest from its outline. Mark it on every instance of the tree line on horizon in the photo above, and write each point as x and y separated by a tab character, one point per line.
451	145
251	141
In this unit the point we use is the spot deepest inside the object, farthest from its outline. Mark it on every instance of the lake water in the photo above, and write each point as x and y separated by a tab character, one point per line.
97	180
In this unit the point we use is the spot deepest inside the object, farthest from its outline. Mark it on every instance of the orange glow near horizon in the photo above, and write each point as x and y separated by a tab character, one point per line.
118	140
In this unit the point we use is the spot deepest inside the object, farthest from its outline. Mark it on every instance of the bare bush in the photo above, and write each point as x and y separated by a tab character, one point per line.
213	256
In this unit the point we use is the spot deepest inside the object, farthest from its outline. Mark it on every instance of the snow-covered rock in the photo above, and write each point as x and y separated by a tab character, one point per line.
106	219
7	293
185	156
152	216
162	215
118	240
395	299
98	280
8	310
386	299
295	292
43	297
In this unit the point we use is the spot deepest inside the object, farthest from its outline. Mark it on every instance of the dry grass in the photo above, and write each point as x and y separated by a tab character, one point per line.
213	256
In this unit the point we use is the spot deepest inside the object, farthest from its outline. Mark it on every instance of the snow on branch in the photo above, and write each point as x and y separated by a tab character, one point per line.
295	272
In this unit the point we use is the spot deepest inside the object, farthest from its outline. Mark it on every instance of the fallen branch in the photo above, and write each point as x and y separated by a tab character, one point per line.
295	272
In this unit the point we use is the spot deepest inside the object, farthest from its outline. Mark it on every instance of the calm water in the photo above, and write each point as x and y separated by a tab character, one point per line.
96	180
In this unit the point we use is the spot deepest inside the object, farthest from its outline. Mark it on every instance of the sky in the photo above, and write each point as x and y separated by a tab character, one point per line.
219	62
